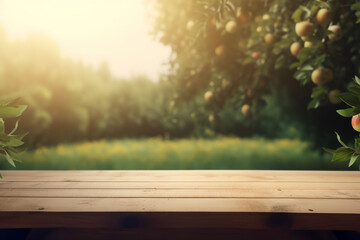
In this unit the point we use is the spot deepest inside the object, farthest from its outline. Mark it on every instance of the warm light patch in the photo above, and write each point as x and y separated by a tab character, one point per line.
91	30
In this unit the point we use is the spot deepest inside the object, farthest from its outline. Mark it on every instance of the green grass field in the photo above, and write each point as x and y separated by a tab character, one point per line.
220	153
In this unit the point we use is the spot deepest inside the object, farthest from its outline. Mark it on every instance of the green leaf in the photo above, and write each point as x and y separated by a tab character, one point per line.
14	151
2	126
294	65
350	99
329	150
9	159
357	144
0	176
307	68
318	91
340	141
280	61
296	16
14	142
11	112
313	104
348	112
15	128
357	80
355	89
353	159
342	154
8	102
20	136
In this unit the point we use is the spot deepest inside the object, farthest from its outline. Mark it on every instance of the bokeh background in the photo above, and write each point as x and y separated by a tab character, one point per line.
121	84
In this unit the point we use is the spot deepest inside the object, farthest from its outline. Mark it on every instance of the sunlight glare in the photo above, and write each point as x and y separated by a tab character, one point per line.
92	31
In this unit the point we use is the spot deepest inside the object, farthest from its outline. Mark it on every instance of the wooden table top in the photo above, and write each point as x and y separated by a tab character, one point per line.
173	199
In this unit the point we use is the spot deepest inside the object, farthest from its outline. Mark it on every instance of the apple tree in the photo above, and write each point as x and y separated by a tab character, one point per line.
236	53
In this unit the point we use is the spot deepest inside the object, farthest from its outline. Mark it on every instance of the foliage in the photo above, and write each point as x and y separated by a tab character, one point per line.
10	143
155	153
70	101
351	98
240	51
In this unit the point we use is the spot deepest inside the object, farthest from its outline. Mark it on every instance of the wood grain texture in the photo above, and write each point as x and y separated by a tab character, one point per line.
245	186
184	176
180	193
296	200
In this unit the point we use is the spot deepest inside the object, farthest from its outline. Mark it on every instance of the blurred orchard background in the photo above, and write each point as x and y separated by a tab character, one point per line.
179	84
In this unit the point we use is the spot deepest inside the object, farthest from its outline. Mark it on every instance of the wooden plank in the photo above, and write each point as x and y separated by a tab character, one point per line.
245	186
175	199
251	176
179	220
335	206
181	193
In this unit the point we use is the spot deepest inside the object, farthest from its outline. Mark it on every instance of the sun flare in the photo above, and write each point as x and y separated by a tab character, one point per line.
91	30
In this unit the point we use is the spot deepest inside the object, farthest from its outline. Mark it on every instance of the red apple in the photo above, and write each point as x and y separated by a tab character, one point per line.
255	55
208	96
355	122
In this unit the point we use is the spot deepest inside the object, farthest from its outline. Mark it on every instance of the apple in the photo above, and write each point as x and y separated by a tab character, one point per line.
266	17
242	17
190	24
219	50
304	29
355	122
269	38
305	38
308	44
336	32
255	55
295	48
323	17
321	76
245	109
257	19
231	26
332	95
211	118
208	96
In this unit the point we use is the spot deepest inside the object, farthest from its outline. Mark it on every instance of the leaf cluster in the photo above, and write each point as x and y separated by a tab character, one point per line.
351	98
10	143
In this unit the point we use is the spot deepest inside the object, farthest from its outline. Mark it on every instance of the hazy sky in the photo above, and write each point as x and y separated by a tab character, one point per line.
91	30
